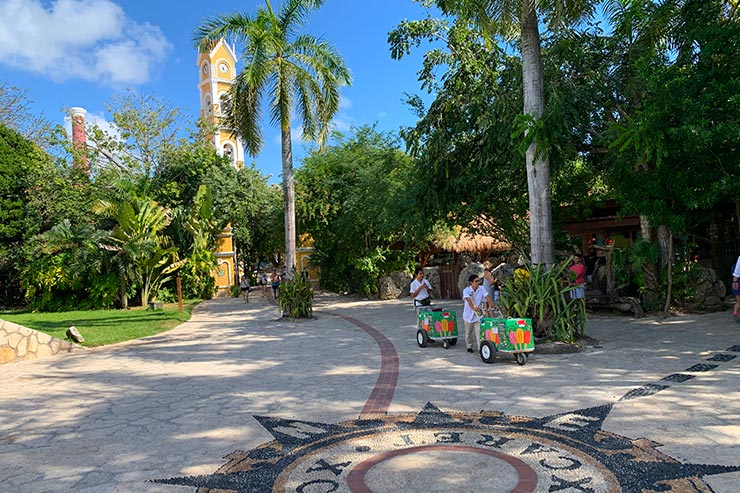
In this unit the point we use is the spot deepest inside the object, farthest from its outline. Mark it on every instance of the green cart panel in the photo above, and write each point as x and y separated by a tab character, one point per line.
508	334
439	324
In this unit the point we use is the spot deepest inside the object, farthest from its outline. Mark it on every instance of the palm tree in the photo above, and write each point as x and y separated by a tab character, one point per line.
286	70
508	18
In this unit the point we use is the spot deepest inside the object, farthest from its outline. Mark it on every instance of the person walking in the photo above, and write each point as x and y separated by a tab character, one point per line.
275	283
473	296
577	273
263	283
245	287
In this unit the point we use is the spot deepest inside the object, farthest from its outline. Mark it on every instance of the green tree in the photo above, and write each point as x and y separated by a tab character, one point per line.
676	142
292	72
15	113
465	159
241	198
353	201
193	229
145	130
22	164
521	20
254	209
470	171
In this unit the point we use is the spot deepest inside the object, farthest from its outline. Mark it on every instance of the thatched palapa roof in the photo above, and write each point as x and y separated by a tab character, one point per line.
470	243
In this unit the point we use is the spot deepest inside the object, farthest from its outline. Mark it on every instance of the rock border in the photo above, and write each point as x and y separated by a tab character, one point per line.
19	343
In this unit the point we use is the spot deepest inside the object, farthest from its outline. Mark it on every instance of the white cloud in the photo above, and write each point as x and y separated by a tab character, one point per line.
344	103
87	39
342	123
99	120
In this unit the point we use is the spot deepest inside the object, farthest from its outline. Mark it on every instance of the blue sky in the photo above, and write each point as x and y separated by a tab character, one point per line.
82	52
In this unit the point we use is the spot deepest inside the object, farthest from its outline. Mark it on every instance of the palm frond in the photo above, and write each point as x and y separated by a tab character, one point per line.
246	112
281	97
213	29
293	14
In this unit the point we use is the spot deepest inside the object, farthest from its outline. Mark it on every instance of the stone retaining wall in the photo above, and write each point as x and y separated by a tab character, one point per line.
18	343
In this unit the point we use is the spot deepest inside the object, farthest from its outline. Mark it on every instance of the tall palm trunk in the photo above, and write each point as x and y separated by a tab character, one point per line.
538	165
289	199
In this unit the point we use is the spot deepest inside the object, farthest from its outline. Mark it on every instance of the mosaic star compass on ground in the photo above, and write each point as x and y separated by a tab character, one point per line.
438	451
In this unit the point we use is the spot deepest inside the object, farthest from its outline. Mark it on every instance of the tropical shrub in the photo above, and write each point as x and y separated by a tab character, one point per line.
634	272
65	269
544	296
686	276
145	255
296	298
197	275
165	295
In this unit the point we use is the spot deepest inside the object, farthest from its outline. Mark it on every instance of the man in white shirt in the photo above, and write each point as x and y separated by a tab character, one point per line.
473	296
420	289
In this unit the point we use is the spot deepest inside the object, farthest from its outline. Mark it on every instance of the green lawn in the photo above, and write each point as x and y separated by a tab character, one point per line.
101	327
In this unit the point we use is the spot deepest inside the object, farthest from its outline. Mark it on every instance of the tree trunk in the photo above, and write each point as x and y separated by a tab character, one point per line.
646	231
611	283
146	291
716	245
289	200
665	240
123	289
670	275
537	157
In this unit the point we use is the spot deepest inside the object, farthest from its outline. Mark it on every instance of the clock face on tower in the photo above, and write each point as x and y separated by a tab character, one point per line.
223	68
205	69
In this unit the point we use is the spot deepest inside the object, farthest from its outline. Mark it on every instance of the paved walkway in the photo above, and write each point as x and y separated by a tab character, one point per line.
349	402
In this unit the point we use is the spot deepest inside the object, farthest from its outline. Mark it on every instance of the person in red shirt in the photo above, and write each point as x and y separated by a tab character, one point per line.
578	277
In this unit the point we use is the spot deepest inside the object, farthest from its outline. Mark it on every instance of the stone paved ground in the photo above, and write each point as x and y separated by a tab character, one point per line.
174	405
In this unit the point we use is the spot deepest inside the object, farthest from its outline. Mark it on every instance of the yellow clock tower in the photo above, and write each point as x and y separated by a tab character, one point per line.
217	72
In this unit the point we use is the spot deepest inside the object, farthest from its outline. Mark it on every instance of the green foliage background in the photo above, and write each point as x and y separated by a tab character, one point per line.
354	202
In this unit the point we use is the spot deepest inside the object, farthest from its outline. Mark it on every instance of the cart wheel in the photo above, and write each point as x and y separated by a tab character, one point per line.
487	352
453	341
421	338
526	355
446	344
520	359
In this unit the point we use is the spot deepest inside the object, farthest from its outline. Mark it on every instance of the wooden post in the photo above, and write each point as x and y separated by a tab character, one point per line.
179	294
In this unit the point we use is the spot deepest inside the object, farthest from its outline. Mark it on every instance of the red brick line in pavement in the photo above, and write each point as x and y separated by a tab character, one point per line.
382	394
